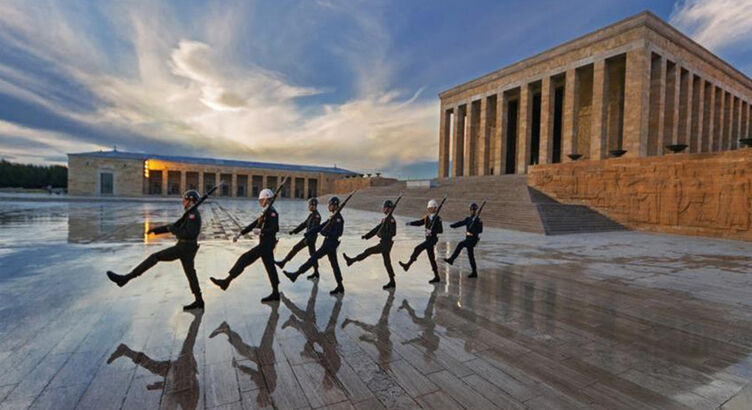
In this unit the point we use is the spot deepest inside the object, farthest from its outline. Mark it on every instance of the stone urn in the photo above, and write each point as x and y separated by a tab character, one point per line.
616	153
676	148
574	157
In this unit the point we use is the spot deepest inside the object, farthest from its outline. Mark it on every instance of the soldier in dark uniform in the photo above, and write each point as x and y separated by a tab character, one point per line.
433	225
266	227
331	229
311	226
473	227
186	230
385	230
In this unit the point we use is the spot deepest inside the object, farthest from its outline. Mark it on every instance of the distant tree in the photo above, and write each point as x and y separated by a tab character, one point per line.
14	175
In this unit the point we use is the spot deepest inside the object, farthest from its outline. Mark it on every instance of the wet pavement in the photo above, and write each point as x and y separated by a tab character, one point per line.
613	320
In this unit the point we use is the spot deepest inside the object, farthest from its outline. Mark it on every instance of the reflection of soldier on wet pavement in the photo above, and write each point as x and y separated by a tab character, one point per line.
180	375
379	334
266	226
305	322
385	230
473	227
332	230
263	354
311	226
433	225
428	339
186	230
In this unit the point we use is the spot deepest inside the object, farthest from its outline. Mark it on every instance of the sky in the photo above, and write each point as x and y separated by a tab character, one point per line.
351	83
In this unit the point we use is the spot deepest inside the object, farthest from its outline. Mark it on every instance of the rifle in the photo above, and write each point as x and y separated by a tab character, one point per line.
391	211
163	229
262	218
339	209
437	213
477	215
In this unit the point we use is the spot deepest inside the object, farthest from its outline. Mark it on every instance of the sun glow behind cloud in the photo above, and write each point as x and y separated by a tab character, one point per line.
193	88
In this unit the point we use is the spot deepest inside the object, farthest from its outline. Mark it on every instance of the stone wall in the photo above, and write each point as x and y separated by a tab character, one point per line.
83	176
346	185
706	194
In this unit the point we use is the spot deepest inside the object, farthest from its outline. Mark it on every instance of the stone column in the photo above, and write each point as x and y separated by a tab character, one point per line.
569	122
458	140
501	131
200	182
164	181
710	120
636	102
471	136
305	187
524	132
183	183
545	154
234	185
672	138
718	138
444	138
686	115
700	114
484	139
744	128
598	142
656	107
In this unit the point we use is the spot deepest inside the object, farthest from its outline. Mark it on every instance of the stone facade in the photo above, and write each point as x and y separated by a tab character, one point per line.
706	194
638	85
347	185
120	174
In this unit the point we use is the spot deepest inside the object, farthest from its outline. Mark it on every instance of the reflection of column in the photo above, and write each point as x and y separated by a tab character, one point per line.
546	122
636	96
500	134
458	140
444	139
483	140
569	122
598	123
525	129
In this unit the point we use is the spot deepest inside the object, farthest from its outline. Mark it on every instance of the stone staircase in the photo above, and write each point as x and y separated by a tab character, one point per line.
511	204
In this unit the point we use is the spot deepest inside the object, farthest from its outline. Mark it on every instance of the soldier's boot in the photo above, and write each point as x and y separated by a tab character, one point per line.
221	283
273	297
119	280
291	275
348	260
405	266
120	351
339	289
281	263
313	276
449	261
197	304
473	275
391	284
436	279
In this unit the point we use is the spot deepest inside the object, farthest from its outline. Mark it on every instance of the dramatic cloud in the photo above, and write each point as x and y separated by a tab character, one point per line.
716	24
194	88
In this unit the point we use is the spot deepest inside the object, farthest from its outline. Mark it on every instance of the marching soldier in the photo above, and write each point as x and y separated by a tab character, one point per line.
433	228
385	231
311	226
186	230
332	229
473	227
266	227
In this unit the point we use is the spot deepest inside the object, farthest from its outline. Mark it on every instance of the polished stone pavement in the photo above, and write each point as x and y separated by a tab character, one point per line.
613	320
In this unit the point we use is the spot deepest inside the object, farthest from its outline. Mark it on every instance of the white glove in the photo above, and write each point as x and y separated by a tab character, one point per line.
256	231
428	232
236	237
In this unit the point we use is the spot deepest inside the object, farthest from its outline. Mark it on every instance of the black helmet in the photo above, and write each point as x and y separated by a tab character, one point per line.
192	194
473	206
388	204
334	201
313	201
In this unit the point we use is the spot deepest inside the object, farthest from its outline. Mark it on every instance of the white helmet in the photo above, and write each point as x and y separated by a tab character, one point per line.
432	204
266	193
